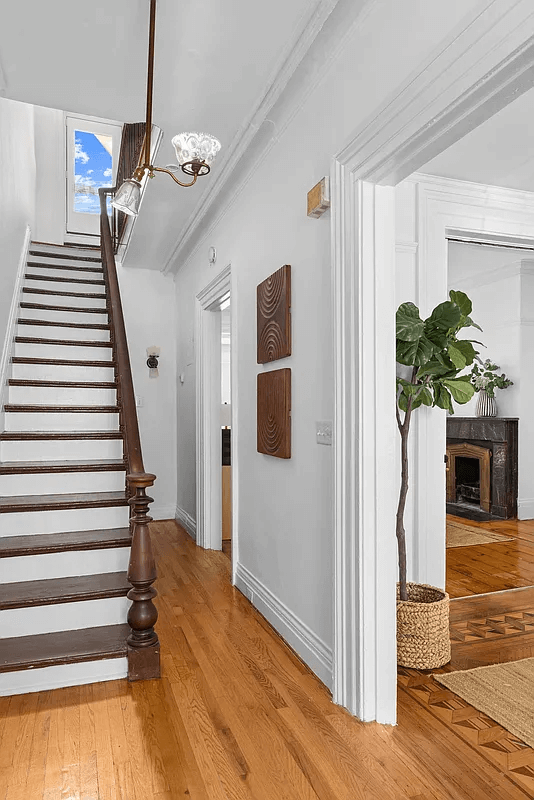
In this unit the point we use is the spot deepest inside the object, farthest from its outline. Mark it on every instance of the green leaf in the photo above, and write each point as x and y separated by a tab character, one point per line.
462	301
414	353
470	324
425	396
456	356
460	390
402	401
442	398
466	349
410	326
444	317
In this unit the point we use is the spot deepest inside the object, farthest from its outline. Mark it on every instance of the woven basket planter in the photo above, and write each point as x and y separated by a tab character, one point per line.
423	640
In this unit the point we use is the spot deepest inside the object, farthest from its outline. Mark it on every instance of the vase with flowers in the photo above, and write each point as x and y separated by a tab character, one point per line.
485	380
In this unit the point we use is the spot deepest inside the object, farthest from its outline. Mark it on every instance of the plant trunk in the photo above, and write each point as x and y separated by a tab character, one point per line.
401	533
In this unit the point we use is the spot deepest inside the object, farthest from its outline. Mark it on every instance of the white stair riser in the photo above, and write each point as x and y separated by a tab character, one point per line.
99	316
60	300
40	680
63	565
72	519
56	271
72	352
64	285
23	421
49	332
62	372
61	450
61	396
63	617
62	483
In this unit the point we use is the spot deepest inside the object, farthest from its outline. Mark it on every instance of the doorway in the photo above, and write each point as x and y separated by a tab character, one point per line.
216	399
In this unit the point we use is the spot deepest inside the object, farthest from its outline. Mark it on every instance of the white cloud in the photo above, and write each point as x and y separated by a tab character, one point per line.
108	172
90	171
79	154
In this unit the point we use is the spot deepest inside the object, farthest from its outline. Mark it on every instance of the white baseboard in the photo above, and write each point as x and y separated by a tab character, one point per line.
5	359
525	509
58	676
313	651
186	521
162	512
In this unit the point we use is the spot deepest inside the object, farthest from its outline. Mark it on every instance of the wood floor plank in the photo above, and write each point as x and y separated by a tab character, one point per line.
238	715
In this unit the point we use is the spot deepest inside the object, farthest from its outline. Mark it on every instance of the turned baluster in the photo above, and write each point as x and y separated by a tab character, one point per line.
143	643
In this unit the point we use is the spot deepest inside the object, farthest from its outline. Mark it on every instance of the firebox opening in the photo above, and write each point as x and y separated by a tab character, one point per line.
468	480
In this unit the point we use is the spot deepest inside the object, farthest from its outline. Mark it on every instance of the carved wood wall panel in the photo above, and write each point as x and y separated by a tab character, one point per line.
274	316
274	413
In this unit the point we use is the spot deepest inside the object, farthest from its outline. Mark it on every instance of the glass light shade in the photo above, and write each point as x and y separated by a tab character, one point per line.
194	146
128	197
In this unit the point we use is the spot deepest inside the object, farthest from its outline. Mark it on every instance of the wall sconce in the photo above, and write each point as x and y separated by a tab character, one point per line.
152	361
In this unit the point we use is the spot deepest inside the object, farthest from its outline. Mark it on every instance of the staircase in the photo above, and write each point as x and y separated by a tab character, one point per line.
64	514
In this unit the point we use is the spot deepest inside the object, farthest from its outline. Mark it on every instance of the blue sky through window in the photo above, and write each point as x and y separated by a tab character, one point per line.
92	170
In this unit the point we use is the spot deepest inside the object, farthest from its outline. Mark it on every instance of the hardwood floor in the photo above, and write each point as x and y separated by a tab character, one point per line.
492	567
237	715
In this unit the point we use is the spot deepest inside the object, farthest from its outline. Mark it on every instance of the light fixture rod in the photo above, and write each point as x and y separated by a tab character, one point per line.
150	83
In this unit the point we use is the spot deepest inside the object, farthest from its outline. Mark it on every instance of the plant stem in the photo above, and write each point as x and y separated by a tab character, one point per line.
404	430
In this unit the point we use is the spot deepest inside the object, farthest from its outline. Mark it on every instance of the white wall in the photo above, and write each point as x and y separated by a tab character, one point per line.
284	513
17	210
149	315
50	177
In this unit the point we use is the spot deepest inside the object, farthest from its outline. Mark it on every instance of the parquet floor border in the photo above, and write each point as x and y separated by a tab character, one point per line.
494	743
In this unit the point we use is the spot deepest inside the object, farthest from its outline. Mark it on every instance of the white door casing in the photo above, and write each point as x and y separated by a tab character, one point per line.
483	65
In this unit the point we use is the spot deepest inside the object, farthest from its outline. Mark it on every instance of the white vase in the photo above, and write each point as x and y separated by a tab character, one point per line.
486	406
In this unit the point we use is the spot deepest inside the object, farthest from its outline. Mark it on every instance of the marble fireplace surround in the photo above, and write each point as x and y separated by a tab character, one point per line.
499	435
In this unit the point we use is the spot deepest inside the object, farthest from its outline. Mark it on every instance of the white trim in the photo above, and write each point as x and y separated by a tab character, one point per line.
478	69
313	651
406	247
525	508
60	675
208	403
186	521
5	362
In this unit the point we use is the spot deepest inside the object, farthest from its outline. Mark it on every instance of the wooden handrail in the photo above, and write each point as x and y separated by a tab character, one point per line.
143	643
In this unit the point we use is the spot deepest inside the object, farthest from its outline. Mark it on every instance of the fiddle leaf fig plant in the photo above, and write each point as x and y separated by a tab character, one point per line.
431	358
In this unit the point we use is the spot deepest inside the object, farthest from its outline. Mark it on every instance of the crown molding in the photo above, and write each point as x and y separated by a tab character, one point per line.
250	146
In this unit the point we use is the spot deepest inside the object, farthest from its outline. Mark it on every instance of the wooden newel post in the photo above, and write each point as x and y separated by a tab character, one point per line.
143	642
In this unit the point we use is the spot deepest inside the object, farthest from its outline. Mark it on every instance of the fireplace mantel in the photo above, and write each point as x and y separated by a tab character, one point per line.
499	435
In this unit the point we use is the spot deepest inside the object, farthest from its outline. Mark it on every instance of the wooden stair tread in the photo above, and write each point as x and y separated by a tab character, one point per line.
46	409
91	295
69	362
38	264
13	436
29	594
63	384
74	309
30	276
37	467
62	342
43	543
65	647
61	502
50	323
44	254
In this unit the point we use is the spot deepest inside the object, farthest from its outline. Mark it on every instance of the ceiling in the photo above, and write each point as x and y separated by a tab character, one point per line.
215	62
500	152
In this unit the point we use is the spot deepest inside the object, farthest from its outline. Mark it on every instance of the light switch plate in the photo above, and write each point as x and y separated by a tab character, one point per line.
323	432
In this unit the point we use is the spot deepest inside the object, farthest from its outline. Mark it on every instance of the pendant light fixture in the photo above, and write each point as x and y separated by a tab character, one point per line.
194	151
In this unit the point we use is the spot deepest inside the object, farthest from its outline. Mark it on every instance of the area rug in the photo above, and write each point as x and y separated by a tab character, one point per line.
459	535
505	692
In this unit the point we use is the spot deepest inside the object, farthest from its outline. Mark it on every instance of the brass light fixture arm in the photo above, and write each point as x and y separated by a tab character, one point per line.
152	169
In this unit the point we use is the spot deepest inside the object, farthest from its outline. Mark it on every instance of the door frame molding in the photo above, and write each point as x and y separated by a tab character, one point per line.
208	406
485	63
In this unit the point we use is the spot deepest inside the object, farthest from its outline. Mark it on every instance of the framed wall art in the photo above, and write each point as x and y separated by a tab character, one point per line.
274	316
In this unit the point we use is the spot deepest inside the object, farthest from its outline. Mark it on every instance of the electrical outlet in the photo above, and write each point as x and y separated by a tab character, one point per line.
323	432
249	594
138	401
